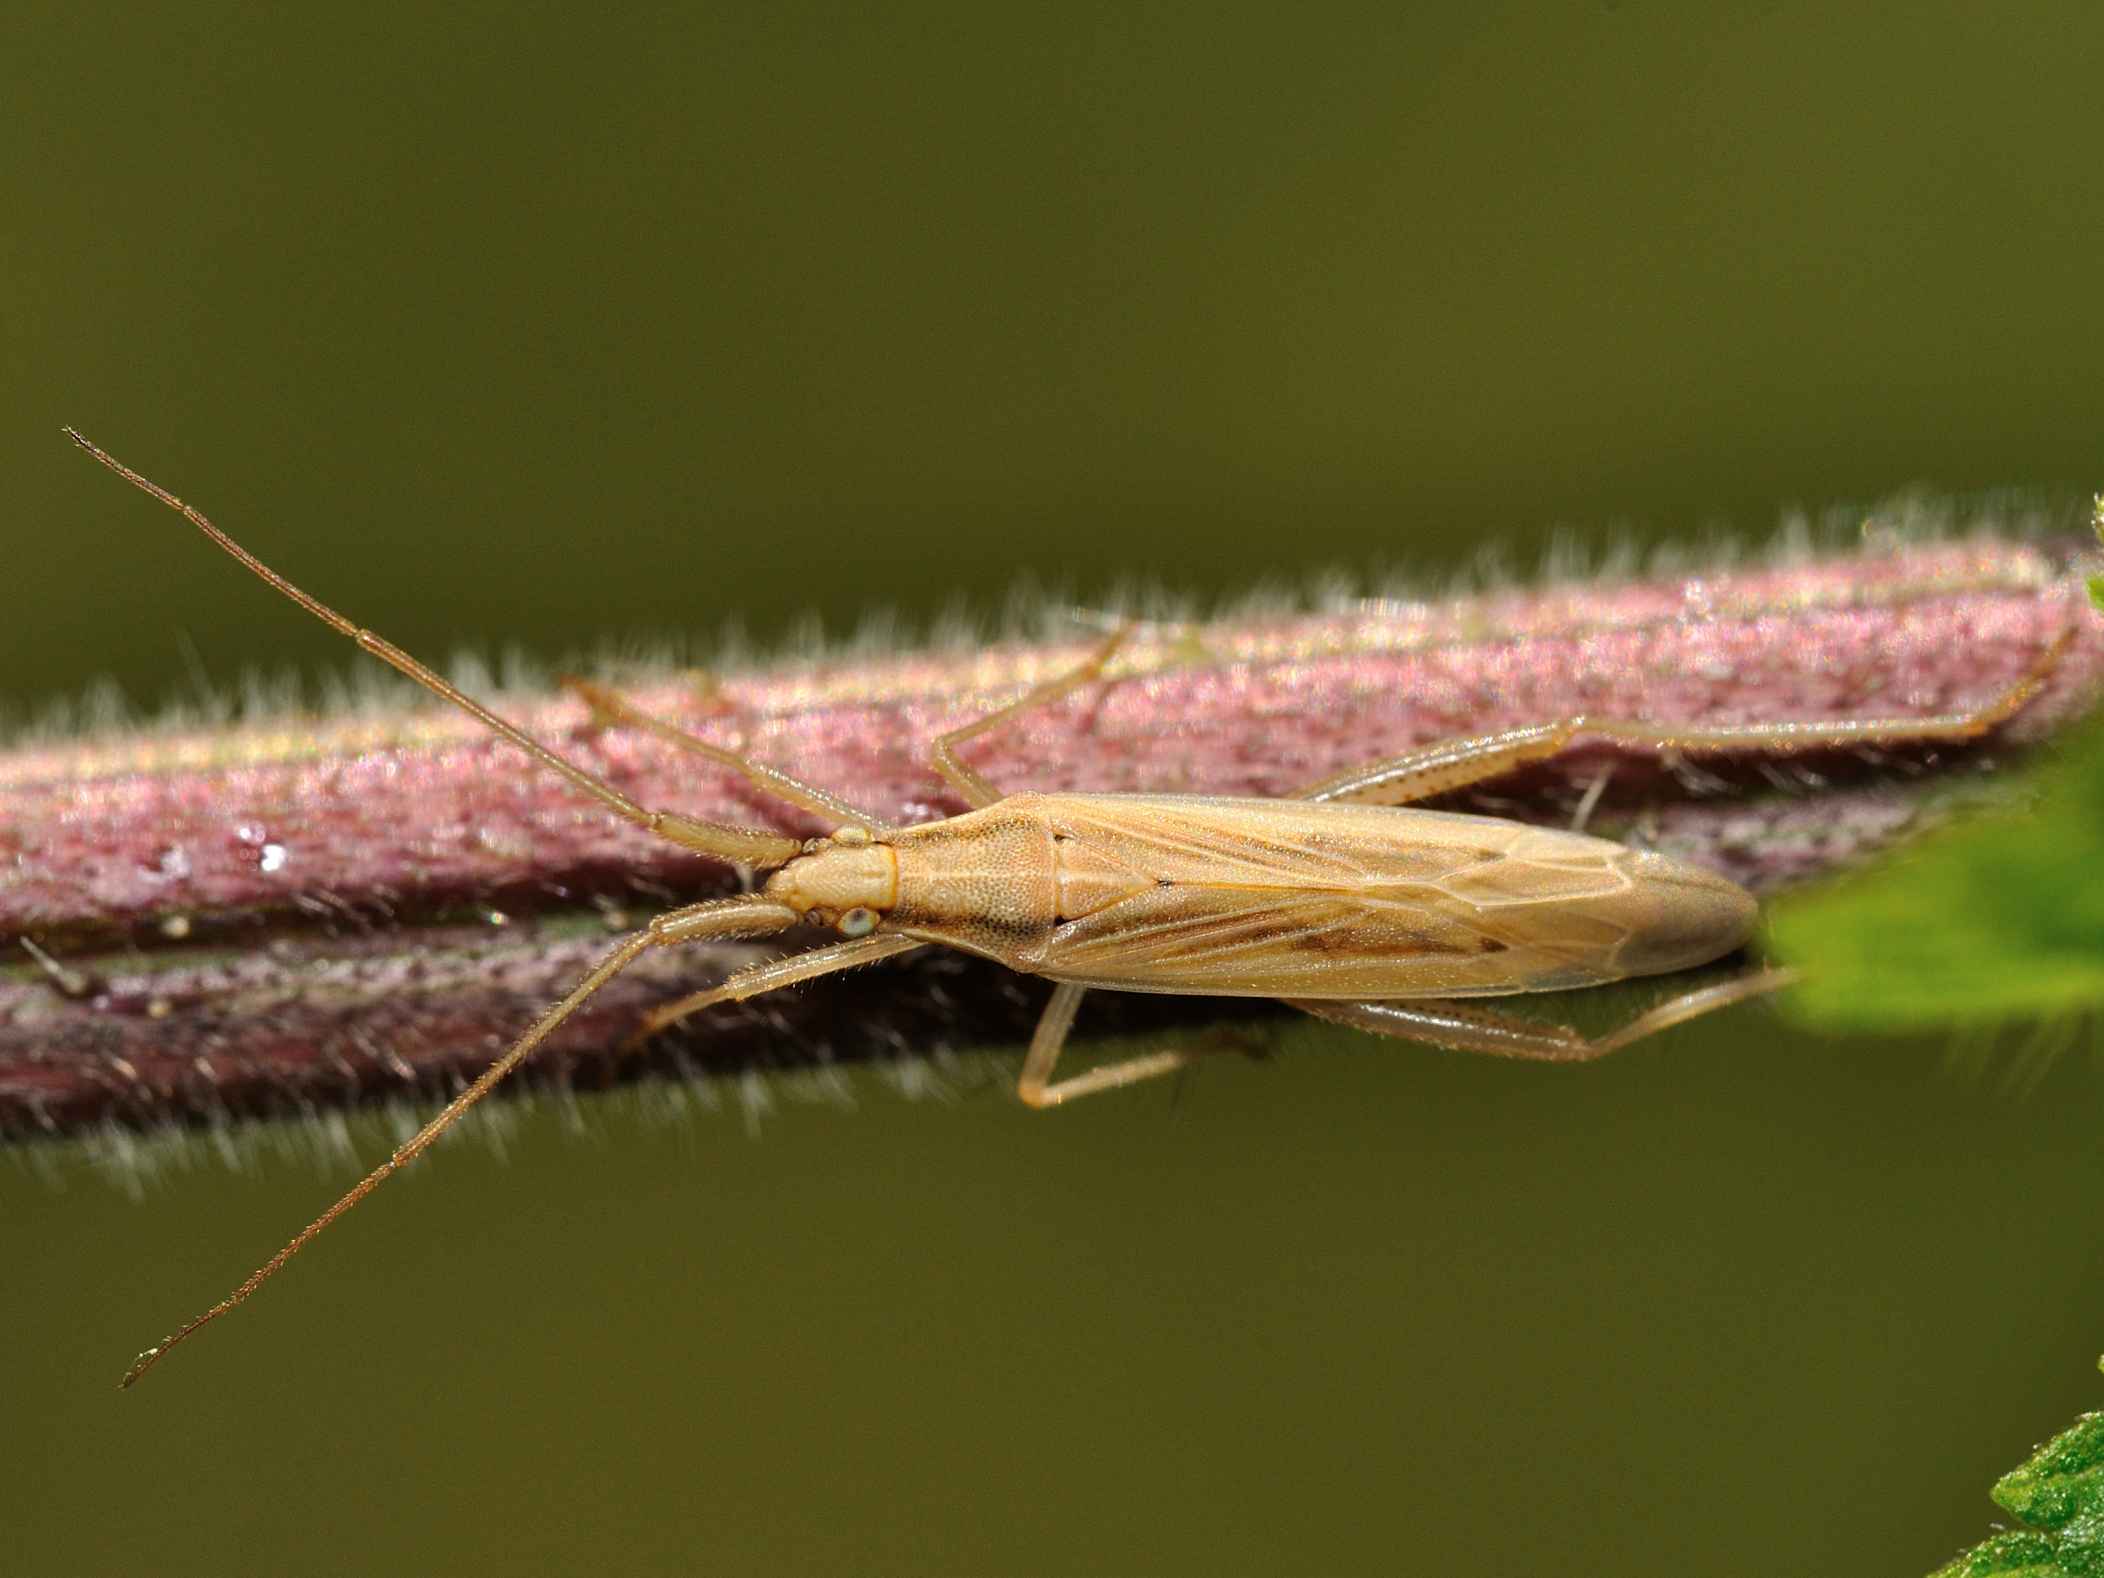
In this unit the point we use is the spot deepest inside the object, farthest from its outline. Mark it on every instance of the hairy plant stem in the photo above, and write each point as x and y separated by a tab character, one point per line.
308	913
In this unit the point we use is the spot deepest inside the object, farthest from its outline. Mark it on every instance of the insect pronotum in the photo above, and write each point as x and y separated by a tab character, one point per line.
1338	899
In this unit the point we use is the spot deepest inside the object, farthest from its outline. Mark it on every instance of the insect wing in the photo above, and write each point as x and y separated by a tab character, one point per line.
1271	898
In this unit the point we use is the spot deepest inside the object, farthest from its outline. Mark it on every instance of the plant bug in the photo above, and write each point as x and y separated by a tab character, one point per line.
1342	899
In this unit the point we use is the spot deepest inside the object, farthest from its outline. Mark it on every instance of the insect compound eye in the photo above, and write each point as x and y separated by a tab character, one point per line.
858	922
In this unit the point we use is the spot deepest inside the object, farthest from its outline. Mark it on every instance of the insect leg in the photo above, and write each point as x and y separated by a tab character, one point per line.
773	974
611	707
942	752
1454	764
1463	1028
1051	1037
733	844
714	918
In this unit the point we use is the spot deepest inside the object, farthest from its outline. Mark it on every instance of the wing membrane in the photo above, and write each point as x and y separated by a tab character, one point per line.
1262	898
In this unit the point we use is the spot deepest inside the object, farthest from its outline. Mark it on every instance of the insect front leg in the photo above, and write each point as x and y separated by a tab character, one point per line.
772	975
610	707
1463	1028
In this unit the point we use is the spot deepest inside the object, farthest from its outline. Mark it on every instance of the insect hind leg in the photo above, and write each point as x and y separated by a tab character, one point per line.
1463	1028
1455	764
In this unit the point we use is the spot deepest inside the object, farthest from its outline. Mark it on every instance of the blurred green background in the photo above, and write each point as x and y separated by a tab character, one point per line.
533	324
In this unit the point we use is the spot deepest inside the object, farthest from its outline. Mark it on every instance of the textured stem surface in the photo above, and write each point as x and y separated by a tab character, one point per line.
307	913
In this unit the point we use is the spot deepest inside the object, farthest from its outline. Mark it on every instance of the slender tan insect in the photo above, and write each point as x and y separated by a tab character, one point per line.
1337	900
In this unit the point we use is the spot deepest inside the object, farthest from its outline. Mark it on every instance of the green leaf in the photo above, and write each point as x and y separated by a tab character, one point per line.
2096	582
2059	1492
2001	919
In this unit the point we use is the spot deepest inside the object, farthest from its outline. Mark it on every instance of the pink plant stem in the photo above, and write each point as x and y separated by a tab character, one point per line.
346	858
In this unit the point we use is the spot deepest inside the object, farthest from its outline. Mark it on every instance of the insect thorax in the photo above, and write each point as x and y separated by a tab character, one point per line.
986	881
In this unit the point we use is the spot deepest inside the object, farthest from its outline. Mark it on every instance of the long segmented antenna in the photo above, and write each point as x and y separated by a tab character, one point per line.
719	918
711	919
739	845
631	948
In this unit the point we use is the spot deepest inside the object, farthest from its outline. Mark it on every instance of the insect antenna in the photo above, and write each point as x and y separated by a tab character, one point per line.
740	845
740	917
